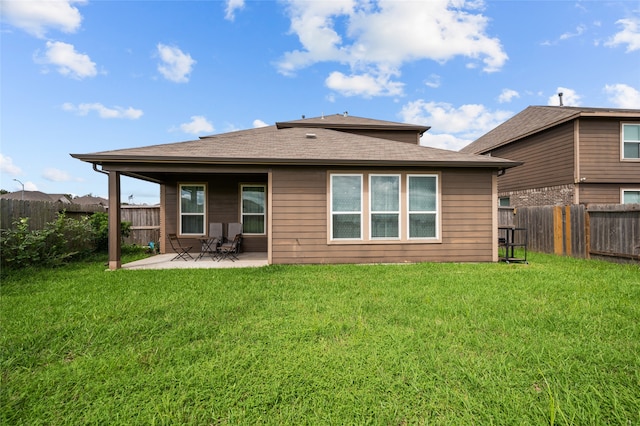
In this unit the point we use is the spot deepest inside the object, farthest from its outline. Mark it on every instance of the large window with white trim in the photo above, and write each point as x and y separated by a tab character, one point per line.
631	141
346	207
384	206
380	208
192	209
422	205
254	207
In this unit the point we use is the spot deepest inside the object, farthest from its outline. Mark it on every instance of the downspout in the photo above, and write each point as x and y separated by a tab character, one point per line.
95	168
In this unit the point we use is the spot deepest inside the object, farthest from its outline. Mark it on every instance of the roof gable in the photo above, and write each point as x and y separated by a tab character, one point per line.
535	119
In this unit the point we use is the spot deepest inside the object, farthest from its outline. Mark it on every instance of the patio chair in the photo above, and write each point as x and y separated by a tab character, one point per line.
181	251
233	229
209	245
230	249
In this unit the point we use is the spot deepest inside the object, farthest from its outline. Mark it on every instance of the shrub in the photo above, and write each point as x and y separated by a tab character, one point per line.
100	223
58	242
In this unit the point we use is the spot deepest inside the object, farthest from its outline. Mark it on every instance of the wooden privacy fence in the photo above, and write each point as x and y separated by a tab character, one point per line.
41	212
596	230
145	220
145	224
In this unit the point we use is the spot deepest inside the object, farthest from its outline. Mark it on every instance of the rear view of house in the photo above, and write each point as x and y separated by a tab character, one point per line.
571	155
330	189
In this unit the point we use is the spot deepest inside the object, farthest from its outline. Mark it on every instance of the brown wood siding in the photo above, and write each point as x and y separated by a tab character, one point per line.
299	218
600	193
548	160
223	197
600	153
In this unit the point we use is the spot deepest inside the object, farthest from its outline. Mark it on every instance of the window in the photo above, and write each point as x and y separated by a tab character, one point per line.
422	206
380	208
192	209
385	206
346	207
631	196
253	209
631	141
504	201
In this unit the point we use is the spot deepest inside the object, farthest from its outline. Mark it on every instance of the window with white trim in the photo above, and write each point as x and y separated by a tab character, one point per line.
631	141
384	206
193	201
254	207
346	207
422	195
373	207
631	196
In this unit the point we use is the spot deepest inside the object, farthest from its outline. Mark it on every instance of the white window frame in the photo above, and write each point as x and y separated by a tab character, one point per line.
371	212
623	141
365	209
264	214
203	213
333	213
435	212
623	190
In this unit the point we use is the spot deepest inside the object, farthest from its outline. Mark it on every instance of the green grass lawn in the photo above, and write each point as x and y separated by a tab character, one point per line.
553	342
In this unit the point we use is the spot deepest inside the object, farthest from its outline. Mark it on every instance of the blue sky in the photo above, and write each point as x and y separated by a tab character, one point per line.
87	76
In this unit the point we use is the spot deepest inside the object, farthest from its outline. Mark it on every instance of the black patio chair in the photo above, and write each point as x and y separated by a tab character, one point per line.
182	252
230	250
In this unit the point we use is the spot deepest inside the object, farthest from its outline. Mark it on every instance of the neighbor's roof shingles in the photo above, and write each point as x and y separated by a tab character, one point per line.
534	119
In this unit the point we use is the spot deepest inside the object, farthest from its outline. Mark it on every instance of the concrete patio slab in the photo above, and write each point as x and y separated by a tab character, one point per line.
163	261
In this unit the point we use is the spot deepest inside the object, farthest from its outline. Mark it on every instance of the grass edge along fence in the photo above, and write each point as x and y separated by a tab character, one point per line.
607	231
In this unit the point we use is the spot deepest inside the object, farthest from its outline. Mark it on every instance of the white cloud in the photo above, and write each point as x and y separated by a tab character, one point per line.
176	65
365	85
259	123
434	81
379	37
69	62
7	166
104	112
623	96
198	124
36	17
232	6
507	95
580	29
452	128
569	97
629	35
29	186
56	175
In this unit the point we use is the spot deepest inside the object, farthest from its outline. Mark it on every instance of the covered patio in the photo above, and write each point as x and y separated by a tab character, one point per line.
164	261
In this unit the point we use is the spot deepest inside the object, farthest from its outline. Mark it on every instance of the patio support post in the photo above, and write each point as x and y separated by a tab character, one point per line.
114	221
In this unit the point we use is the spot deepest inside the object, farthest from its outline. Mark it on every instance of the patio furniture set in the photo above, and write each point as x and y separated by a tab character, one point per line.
215	245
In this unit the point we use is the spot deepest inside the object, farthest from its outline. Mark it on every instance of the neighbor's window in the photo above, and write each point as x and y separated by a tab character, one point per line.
346	207
631	141
504	201
422	203
192	209
631	196
384	206
253	209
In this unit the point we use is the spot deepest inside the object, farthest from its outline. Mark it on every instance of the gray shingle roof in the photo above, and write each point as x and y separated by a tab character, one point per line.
295	145
534	119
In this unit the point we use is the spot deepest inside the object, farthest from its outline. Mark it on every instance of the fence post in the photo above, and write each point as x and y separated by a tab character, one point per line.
558	239
567	230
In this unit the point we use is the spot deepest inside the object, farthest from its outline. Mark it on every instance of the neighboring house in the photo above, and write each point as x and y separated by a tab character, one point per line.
90	200
36	196
571	155
331	189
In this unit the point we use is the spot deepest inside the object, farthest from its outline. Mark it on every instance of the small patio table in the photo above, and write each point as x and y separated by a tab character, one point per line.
208	246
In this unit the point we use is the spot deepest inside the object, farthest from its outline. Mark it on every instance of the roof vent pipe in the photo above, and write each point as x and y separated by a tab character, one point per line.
560	96
311	135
